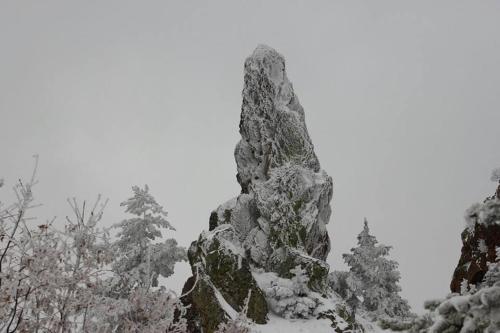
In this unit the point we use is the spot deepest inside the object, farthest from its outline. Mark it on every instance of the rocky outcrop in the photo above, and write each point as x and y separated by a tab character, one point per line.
278	222
221	281
480	240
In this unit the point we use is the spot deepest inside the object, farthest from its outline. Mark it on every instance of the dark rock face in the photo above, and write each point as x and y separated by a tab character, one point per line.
221	275
278	222
480	241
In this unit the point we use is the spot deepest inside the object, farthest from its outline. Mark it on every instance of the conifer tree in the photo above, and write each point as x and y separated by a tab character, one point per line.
140	261
374	277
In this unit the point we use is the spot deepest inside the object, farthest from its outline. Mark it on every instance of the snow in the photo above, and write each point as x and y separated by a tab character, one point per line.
176	281
232	313
277	324
482	246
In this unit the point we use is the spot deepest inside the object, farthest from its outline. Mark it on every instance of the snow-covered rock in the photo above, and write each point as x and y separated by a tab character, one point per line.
480	240
474	304
278	222
221	281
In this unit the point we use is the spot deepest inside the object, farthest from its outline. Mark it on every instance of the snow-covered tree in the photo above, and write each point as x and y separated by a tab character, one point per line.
344	284
141	311
57	280
49	278
374	279
140	261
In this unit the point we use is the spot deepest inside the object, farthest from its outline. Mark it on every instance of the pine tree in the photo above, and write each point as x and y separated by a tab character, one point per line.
141	261
375	278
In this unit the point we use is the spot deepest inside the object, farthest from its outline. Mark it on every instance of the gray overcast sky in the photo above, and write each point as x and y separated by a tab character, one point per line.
401	99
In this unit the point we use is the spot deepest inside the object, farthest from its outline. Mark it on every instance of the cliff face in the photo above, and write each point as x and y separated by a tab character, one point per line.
480	240
277	225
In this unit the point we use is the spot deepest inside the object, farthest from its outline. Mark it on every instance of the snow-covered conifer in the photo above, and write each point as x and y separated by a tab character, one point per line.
140	261
374	278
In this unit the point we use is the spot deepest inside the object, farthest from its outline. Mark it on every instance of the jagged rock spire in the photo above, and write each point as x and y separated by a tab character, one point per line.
272	125
279	220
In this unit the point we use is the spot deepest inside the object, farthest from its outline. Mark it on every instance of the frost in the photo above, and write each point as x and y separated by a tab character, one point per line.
289	298
60	280
372	282
472	215
485	213
232	313
278	221
481	246
495	175
139	260
492	276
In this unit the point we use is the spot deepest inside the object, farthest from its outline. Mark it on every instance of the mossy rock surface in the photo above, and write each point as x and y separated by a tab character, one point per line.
278	221
219	265
317	270
231	274
204	313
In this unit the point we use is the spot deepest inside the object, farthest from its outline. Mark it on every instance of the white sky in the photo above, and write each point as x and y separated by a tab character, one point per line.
401	100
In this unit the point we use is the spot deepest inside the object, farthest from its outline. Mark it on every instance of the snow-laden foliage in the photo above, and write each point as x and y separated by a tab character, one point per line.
345	285
492	276
476	308
495	175
143	310
139	261
289	298
372	282
58	280
49	278
487	212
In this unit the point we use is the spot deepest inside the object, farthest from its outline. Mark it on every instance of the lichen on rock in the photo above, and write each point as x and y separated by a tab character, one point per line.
277	224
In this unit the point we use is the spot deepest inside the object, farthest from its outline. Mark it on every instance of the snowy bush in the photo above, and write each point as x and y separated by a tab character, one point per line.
475	309
471	215
478	312
289	298
58	280
49	278
486	213
142	311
